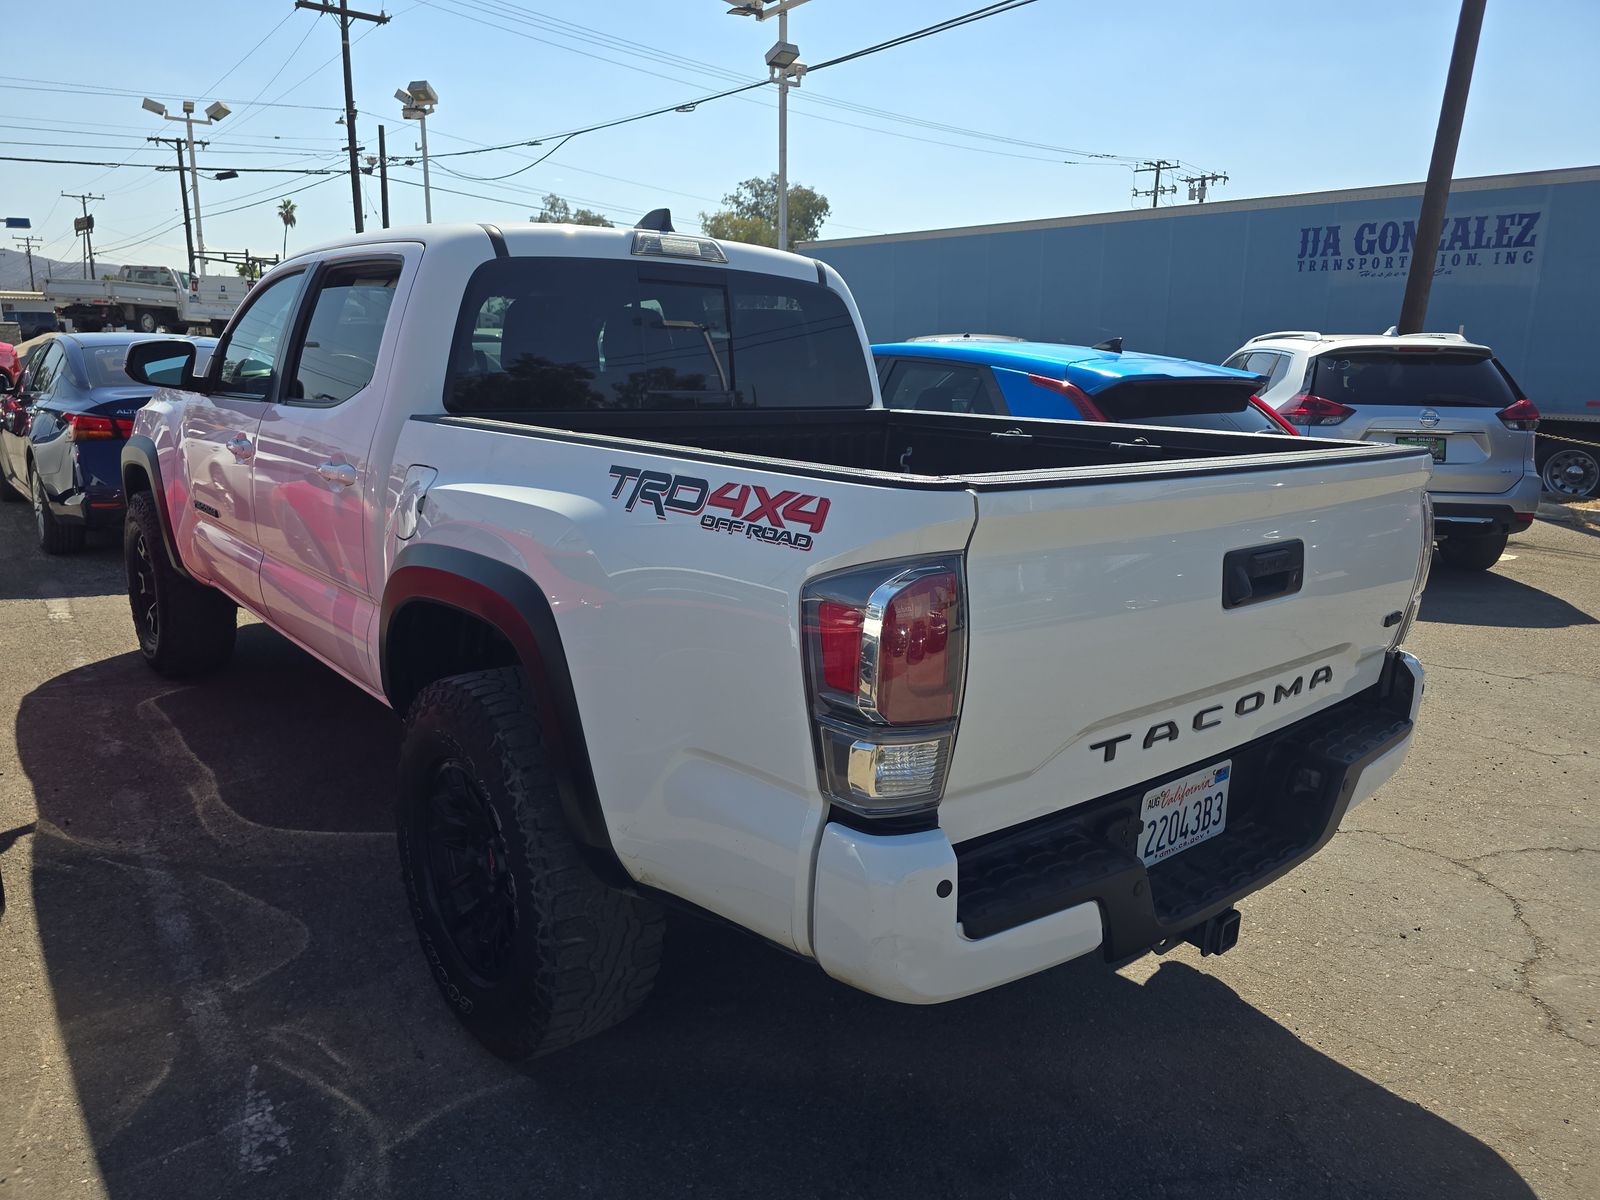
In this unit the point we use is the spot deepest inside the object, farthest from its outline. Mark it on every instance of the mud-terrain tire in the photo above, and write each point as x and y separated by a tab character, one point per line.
531	950
1472	553
185	628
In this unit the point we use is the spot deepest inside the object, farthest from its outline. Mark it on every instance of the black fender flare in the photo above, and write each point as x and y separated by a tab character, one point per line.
512	603
139	454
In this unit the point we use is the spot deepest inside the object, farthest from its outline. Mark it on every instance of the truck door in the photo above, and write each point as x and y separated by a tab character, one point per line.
317	493
218	441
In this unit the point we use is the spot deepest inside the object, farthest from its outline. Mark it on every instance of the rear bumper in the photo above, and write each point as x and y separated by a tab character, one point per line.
1473	513
912	918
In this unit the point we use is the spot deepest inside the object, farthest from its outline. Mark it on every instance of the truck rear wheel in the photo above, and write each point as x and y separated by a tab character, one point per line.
1472	553
532	951
147	321
184	627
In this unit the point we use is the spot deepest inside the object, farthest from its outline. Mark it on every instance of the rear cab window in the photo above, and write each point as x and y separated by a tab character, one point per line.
574	334
1408	378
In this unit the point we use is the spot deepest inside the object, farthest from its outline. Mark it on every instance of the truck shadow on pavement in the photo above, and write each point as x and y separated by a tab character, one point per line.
245	1013
1494	601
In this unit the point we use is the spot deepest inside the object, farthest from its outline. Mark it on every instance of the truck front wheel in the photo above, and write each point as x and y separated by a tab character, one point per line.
532	951
184	627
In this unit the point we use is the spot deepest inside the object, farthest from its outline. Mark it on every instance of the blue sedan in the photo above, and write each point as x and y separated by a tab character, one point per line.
62	430
1008	377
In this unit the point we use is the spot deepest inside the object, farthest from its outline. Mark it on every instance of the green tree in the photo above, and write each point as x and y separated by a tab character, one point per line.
557	211
286	215
749	213
250	270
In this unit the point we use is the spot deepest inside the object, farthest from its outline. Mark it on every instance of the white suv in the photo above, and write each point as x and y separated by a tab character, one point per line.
1427	389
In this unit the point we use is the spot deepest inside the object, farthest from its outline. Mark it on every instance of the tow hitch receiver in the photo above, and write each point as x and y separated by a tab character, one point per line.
1217	935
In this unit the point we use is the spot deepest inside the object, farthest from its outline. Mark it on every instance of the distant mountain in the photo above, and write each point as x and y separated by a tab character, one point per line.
14	269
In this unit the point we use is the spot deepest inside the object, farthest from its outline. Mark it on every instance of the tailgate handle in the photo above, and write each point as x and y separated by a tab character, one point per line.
1259	573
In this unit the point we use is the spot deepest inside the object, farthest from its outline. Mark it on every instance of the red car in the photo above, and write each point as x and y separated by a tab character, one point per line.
10	364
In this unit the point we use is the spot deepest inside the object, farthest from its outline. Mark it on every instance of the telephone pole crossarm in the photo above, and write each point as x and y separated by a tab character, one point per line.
1155	191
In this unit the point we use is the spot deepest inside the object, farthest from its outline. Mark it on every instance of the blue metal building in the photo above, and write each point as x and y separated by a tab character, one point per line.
1518	268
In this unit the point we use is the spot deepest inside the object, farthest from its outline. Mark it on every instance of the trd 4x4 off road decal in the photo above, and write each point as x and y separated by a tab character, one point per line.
749	508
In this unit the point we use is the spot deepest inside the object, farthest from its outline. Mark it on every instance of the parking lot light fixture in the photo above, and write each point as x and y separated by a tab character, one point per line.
785	67
215	111
417	102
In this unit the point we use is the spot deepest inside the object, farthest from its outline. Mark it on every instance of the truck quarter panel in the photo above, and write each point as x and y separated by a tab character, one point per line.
680	624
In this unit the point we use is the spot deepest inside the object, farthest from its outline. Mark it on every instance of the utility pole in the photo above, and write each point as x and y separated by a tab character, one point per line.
85	226
27	244
183	194
215	111
383	177
1430	222
1155	193
346	14
1198	183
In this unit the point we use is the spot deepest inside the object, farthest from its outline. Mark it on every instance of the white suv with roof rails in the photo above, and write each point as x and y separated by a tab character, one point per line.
1436	390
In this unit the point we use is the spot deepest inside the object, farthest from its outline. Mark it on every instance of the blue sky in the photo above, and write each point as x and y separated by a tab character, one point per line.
1283	97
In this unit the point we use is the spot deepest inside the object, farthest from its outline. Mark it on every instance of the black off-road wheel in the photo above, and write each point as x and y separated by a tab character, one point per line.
1472	553
531	950
184	627
55	535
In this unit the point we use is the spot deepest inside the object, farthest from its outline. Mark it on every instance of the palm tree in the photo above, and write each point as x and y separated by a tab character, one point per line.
286	215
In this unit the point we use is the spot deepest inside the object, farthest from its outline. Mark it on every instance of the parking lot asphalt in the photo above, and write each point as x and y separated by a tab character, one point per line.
209	984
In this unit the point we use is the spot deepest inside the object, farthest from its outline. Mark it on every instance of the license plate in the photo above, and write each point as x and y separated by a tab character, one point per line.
1184	813
1435	445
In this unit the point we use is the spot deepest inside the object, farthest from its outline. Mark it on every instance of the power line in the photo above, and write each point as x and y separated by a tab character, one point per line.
82	162
977	14
246	57
21	84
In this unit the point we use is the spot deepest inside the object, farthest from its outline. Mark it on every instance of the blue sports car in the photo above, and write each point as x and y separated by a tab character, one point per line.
62	429
1005	376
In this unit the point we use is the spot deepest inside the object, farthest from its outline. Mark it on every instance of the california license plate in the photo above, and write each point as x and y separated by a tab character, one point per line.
1434	445
1184	813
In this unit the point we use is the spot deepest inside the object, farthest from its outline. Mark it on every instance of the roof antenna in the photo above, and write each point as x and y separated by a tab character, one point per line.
659	219
1112	344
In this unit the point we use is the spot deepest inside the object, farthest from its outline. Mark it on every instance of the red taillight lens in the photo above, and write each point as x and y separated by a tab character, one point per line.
1088	410
1306	409
916	678
82	427
1522	416
839	632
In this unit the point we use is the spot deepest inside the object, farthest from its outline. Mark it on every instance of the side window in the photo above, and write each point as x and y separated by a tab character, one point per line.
250	358
348	314
1280	368
937	387
47	370
1237	362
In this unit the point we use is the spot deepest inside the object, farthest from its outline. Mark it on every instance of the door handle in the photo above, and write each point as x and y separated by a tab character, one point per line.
341	473
241	447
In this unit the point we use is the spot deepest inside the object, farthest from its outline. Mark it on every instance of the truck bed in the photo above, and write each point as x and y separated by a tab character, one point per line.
930	449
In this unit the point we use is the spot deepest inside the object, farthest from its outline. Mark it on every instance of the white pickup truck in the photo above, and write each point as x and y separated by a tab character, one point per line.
678	613
147	299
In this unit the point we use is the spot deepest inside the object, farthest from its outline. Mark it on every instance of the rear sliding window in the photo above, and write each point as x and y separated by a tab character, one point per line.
1408	379
572	334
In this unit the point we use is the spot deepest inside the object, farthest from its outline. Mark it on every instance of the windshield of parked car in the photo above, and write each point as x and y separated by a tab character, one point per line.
1409	378
596	334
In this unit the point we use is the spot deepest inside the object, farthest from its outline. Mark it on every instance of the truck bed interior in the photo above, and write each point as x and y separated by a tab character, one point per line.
921	444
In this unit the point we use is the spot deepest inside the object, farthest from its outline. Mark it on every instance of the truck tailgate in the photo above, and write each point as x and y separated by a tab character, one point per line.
1108	646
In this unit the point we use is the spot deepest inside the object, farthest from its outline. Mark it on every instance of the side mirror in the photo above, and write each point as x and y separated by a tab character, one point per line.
165	363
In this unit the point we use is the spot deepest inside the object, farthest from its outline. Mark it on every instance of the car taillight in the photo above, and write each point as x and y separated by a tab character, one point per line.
885	654
1309	410
1272	415
1088	410
83	427
1521	416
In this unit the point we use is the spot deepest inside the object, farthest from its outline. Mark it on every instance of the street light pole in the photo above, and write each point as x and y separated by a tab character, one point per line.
783	141
215	111
417	102
427	185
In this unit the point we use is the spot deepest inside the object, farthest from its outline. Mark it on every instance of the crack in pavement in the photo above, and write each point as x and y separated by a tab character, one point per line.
1553	1020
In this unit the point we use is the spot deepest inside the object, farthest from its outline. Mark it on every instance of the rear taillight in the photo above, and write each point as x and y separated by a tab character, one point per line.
885	654
1306	409
1088	410
1272	415
1522	416
83	427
